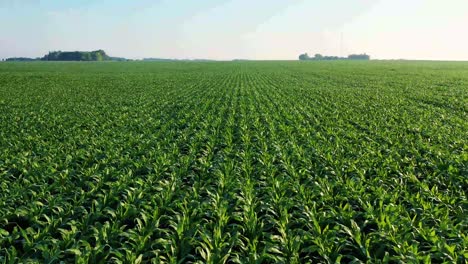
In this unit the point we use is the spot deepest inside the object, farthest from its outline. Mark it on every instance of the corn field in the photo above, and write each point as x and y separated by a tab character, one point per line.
234	162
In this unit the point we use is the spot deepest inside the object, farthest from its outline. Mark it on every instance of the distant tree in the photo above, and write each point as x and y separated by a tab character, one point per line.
85	56
318	57
118	59
304	56
98	55
20	59
52	56
359	57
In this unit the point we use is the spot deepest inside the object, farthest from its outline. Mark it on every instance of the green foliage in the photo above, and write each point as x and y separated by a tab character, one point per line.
21	59
98	55
320	57
239	162
304	56
358	57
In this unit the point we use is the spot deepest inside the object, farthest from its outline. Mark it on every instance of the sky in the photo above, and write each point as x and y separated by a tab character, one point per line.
237	29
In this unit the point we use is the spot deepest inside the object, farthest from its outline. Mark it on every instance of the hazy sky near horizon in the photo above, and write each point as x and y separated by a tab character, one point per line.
243	29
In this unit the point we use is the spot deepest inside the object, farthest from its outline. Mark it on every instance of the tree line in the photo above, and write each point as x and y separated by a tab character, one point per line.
306	56
21	59
97	55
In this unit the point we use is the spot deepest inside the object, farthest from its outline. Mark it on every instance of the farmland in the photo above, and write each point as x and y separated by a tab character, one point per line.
239	162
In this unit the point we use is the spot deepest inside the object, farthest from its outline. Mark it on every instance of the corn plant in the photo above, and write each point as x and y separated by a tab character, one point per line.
234	162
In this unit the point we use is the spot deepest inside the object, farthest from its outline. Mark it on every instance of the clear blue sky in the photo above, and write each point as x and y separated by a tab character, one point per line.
228	29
